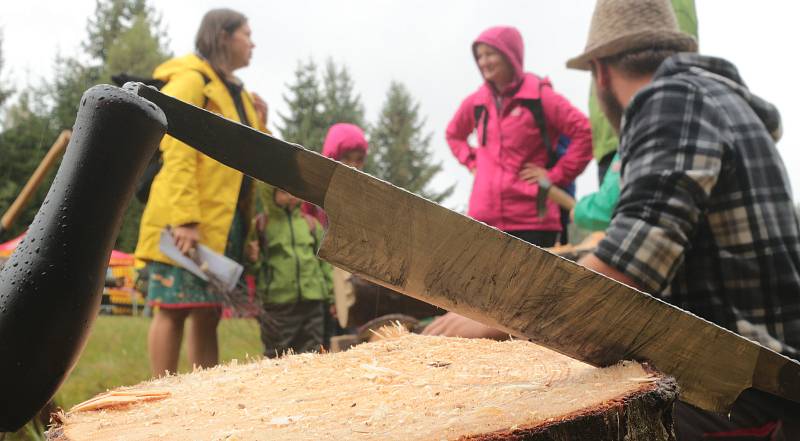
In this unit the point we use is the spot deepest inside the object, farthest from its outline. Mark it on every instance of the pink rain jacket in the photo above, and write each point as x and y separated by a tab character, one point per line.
341	138
499	197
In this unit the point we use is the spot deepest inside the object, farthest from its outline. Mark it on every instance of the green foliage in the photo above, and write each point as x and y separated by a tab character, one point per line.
112	18
5	91
314	107
122	36
399	150
305	123
136	51
129	230
27	138
64	91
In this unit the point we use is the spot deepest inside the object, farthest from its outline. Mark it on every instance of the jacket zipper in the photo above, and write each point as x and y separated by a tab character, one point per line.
296	259
319	261
499	180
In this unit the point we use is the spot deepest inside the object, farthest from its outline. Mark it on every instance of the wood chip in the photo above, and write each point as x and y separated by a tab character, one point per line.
118	398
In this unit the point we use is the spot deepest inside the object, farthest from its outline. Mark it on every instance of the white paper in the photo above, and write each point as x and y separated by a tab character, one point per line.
225	270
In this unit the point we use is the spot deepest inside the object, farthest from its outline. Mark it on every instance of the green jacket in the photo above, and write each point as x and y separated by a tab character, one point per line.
288	270
593	212
604	140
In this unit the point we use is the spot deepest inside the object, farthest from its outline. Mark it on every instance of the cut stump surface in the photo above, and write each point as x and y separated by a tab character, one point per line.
408	387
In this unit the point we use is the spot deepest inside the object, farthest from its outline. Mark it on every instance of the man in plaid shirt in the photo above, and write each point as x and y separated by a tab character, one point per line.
705	218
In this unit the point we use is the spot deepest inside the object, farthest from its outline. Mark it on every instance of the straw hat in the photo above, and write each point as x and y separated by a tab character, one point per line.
622	25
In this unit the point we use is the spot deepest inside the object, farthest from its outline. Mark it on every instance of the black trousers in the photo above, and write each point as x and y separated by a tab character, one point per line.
301	327
756	416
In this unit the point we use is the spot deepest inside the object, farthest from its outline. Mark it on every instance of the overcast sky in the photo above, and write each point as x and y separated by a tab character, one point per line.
426	46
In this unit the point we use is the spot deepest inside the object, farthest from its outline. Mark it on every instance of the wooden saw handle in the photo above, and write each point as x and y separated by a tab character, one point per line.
561	197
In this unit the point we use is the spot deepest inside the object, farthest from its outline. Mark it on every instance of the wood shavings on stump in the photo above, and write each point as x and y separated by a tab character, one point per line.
408	387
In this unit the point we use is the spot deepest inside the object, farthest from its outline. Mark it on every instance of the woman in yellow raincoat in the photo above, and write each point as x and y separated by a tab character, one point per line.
201	200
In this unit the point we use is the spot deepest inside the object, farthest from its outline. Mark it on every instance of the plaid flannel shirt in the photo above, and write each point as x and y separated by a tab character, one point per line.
705	218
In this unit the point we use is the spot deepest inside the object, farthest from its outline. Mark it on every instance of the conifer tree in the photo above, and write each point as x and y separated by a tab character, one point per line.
64	91
23	143
341	103
113	18
122	35
400	150
305	122
136	50
5	90
315	106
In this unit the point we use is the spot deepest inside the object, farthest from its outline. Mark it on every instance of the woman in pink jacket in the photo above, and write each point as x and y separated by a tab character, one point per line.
344	143
510	155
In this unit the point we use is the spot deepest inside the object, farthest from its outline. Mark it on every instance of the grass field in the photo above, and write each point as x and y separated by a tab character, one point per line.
116	355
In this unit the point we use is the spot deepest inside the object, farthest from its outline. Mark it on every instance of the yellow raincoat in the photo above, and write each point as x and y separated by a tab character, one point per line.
192	187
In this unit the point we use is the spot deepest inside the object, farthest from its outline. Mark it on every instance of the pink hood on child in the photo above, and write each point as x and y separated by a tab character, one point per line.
342	138
508	41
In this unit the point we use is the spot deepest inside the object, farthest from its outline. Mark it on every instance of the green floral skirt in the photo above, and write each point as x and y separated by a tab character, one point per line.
173	287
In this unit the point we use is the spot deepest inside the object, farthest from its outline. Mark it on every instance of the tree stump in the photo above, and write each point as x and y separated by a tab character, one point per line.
406	386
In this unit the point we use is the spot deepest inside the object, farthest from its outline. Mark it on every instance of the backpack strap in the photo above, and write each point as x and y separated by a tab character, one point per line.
537	110
479	111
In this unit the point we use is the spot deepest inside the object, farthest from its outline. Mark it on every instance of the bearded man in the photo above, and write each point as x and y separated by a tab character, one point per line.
705	218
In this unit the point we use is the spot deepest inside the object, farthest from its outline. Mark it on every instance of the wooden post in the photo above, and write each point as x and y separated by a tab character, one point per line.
55	152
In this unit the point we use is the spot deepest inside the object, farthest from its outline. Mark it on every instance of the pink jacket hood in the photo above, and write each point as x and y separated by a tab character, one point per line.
342	138
508	41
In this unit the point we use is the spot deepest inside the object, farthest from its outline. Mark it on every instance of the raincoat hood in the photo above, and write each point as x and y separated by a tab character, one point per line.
342	138
726	73
174	66
508	41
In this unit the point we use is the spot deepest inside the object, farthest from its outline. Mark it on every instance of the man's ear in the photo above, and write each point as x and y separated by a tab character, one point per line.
601	74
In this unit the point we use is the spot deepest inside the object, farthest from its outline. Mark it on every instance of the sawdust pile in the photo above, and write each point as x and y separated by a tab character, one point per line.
404	387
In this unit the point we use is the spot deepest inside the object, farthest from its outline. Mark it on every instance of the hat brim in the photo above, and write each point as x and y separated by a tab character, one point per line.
639	40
